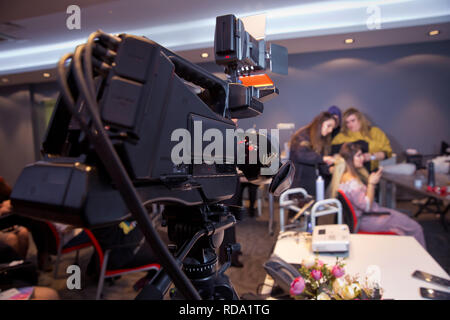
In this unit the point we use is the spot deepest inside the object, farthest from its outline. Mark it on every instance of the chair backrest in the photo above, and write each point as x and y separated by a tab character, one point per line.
348	213
98	248
78	242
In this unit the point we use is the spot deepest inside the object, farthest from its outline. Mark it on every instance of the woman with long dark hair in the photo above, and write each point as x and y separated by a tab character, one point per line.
309	151
352	178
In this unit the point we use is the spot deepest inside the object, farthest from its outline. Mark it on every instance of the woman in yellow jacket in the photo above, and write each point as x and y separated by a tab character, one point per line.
356	127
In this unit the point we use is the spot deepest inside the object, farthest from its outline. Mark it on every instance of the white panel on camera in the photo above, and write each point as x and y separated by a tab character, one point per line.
255	25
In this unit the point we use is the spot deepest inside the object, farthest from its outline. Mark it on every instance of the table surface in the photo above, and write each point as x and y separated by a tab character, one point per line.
396	256
407	181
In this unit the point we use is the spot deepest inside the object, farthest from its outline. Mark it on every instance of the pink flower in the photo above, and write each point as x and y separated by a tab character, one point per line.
337	271
320	264
316	274
297	286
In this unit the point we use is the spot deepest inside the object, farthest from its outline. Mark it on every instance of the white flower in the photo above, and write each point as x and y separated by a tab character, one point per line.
338	286
351	291
373	276
308	262
323	296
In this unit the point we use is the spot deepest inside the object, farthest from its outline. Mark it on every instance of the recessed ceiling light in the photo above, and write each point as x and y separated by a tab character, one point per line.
205	55
349	41
46	75
433	33
5	80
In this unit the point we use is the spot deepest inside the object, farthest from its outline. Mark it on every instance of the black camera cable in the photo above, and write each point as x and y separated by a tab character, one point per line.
114	166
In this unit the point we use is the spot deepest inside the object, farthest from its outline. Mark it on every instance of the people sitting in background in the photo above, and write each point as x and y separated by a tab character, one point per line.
44	293
309	151
352	178
19	277
356	127
336	112
22	277
15	236
41	233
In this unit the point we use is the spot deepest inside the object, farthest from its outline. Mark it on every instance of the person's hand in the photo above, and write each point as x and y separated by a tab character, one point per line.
328	160
374	177
366	156
5	207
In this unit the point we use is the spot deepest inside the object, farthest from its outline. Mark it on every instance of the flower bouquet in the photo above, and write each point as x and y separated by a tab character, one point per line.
320	281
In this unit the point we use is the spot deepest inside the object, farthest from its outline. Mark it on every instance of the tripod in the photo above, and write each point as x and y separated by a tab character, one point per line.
196	233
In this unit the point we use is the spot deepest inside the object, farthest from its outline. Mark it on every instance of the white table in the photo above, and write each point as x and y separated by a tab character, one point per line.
396	256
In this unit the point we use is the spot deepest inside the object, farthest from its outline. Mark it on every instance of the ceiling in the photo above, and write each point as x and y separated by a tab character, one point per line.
35	37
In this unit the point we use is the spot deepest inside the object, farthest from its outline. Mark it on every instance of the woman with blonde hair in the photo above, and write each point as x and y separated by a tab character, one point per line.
352	178
310	147
356	127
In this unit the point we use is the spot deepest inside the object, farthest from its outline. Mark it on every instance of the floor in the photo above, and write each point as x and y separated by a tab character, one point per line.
257	245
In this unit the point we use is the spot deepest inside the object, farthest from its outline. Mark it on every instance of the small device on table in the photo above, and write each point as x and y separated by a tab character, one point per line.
331	238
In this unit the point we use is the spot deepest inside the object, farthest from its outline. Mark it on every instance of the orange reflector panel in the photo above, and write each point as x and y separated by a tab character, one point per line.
258	80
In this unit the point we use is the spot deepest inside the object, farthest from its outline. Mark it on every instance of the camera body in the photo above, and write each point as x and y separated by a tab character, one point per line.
144	96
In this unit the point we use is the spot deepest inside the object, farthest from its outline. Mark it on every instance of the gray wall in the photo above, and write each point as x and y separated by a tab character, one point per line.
22	126
404	90
16	131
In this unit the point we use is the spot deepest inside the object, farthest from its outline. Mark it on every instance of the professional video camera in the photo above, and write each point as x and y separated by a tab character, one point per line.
109	149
